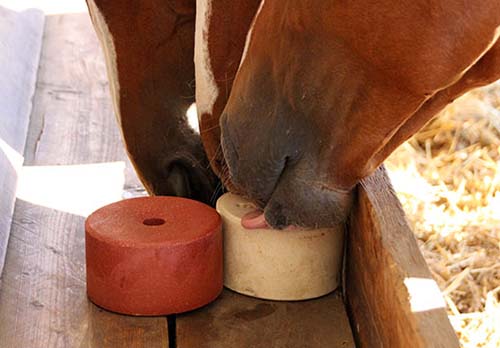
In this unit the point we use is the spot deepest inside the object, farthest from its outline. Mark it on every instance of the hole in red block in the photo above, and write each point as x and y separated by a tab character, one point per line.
153	222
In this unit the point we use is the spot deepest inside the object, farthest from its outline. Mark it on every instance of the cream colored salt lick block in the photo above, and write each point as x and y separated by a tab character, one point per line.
274	264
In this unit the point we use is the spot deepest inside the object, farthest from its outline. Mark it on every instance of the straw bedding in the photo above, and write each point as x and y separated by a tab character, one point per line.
448	180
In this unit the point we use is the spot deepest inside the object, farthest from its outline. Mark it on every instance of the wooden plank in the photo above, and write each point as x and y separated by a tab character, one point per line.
20	45
73	147
108	330
239	321
393	300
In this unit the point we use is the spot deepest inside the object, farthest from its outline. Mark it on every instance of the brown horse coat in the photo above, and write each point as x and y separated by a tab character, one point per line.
325	91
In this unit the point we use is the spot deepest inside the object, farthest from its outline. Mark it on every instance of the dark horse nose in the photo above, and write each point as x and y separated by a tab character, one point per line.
228	147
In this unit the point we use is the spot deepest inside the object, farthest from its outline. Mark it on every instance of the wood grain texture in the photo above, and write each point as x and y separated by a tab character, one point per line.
43	299
383	260
20	45
109	330
239	321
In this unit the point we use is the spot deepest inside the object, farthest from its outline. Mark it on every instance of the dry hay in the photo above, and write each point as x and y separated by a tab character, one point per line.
448	180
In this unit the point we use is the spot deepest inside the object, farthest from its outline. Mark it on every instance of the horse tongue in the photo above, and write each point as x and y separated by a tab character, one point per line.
254	219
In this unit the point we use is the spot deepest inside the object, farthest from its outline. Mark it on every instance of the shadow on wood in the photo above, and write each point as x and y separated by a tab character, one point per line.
240	321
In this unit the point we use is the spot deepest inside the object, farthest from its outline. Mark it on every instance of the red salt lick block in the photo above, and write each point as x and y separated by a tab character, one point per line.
153	255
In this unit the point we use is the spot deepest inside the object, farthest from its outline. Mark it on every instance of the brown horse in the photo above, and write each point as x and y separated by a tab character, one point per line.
306	97
149	47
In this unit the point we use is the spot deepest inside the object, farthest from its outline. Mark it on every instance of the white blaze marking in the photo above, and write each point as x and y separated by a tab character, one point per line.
206	88
110	55
249	34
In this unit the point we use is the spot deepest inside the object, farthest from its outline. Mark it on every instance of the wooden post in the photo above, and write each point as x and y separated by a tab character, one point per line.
392	299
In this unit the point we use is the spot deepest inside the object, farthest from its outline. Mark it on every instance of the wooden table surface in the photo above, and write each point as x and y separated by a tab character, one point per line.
74	163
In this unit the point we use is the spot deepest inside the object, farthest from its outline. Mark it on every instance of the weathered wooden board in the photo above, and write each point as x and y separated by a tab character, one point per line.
392	298
108	330
20	45
43	301
239	321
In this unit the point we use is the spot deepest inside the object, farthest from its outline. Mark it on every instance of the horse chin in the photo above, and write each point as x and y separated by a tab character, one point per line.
308	208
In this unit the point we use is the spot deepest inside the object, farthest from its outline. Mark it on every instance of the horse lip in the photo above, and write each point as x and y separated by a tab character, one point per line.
254	220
